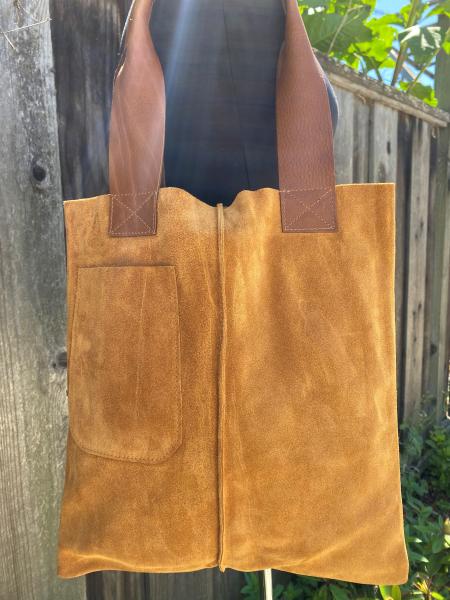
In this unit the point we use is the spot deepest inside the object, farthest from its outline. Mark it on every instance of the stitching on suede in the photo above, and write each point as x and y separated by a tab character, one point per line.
306	189
133	194
129	234
152	198
309	209
179	405
133	213
75	307
140	343
288	226
221	377
109	455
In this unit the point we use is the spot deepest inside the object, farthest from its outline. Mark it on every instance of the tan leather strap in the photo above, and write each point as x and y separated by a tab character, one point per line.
137	130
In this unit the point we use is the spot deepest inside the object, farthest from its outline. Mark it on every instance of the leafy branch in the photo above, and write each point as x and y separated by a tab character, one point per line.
412	18
399	48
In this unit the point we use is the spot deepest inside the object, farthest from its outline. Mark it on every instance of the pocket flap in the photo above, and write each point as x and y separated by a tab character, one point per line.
124	363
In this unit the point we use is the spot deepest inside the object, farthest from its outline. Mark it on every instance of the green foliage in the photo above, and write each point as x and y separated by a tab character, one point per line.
389	592
425	476
437	470
426	503
252	589
421	91
382	46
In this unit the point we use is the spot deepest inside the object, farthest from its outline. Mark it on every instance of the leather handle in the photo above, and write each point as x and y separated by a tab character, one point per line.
137	129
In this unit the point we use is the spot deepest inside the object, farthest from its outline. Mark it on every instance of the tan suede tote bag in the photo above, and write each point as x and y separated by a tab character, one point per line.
231	369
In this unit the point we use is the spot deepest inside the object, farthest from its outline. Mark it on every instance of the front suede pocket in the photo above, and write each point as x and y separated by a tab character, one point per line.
124	363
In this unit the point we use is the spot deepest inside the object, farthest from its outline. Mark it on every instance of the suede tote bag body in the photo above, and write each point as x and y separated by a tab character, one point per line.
231	369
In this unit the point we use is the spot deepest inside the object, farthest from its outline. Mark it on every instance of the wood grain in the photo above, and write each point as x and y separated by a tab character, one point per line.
403	186
416	267
86	36
383	149
436	355
343	139
33	410
361	139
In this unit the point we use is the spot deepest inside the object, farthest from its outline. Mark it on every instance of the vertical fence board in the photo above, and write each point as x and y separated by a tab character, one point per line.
436	382
227	586
436	353
116	585
417	248
207	584
429	347
441	291
32	319
86	36
361	143
383	167
383	156
403	187
343	140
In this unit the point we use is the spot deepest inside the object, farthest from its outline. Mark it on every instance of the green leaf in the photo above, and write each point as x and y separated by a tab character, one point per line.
446	45
437	596
390	19
385	591
340	31
425	93
322	594
338	593
279	589
442	9
436	544
414	556
315	4
404	12
422	41
292	592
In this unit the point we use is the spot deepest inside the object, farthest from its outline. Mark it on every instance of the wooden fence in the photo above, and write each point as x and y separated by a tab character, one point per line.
385	136
55	82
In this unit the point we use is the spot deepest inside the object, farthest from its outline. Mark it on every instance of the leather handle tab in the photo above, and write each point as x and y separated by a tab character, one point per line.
137	129
136	143
304	134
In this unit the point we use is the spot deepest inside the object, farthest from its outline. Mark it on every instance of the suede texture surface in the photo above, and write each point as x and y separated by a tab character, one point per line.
232	391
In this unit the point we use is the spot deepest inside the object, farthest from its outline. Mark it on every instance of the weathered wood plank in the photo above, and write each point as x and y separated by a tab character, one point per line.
383	155
116	585
86	36
361	141
227	586
343	139
437	355
207	584
429	348
417	249
403	186
384	167
32	315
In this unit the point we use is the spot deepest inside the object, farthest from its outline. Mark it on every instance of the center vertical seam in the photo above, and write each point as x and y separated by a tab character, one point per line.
221	376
